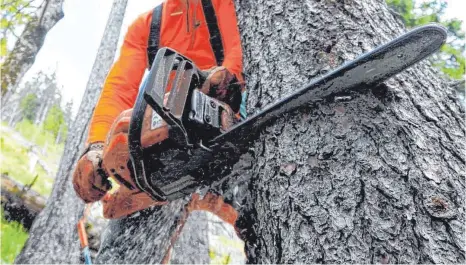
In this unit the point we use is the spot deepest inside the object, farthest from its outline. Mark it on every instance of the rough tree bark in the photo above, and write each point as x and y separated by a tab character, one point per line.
23	55
376	176
53	237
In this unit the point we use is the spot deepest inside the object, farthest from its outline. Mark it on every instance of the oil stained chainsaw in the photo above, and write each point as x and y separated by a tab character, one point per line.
159	150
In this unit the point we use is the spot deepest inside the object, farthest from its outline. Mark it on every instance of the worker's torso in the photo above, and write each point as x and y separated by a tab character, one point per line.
184	29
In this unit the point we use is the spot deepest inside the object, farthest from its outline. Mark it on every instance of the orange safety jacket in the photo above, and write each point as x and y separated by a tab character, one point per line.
183	28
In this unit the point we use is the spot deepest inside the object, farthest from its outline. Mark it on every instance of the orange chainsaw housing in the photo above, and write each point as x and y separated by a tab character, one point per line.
126	198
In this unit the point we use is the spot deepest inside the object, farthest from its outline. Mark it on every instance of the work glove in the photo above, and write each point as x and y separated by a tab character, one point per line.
90	181
224	86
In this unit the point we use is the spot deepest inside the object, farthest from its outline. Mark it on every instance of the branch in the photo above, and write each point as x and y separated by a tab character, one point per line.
458	85
47	2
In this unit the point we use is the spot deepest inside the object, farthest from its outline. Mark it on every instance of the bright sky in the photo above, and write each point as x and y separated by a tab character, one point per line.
71	46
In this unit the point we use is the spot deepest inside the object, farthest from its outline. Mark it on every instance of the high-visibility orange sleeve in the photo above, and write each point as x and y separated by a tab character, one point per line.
228	25
122	83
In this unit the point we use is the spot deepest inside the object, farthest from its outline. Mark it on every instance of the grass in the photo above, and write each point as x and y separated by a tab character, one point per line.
43	139
13	236
15	164
15	157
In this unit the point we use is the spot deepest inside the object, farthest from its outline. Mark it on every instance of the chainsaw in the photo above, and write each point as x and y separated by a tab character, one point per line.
170	144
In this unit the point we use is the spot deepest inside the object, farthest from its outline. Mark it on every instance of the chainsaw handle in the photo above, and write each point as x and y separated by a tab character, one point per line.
202	76
136	155
124	202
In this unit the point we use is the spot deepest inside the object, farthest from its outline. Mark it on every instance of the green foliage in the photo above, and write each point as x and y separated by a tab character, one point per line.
29	106
404	8
13	237
454	66
3	47
55	122
14	15
450	59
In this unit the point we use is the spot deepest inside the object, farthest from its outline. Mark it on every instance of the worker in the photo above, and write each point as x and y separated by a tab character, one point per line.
204	31
183	28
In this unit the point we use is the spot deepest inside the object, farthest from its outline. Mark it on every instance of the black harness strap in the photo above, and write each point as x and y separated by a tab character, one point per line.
212	25
214	31
154	35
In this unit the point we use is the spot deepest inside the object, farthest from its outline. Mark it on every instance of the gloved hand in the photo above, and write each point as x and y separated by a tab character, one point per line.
224	86
89	180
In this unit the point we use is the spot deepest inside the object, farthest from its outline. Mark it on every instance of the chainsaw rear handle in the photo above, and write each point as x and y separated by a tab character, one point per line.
136	155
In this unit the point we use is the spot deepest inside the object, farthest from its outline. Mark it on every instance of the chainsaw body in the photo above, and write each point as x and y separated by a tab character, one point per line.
152	148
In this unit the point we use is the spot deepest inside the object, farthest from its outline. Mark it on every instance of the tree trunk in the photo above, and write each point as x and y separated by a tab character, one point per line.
23	55
374	178
53	237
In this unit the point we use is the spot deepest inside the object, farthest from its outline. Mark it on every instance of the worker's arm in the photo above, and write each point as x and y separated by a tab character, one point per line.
122	83
226	82
118	94
228	25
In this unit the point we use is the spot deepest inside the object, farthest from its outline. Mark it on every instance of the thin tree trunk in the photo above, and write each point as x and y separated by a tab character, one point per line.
43	112
53	237
23	55
57	139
